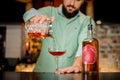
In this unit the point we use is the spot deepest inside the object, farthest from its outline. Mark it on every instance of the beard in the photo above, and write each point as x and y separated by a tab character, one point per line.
67	14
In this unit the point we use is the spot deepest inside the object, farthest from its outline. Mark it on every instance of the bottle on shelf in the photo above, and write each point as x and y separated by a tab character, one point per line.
90	52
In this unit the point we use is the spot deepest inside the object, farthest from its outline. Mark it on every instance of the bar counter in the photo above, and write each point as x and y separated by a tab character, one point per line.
53	76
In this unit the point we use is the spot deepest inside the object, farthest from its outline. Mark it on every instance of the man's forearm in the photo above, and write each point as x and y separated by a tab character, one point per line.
78	62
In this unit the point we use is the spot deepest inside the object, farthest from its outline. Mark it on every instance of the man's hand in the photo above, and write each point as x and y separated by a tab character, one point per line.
71	69
41	19
75	68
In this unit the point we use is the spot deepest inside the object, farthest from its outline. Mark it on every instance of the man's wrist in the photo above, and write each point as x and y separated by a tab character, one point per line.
78	62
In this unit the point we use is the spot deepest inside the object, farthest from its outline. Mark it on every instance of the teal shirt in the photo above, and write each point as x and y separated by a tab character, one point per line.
68	33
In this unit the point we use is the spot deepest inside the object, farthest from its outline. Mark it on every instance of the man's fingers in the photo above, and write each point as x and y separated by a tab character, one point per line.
52	19
66	70
38	19
72	69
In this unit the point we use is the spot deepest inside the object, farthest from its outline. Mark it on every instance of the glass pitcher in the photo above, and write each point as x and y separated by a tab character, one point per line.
37	30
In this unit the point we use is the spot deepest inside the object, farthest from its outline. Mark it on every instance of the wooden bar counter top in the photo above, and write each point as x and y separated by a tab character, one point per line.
53	76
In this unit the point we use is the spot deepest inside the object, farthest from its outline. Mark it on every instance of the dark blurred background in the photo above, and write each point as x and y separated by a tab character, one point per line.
11	11
107	10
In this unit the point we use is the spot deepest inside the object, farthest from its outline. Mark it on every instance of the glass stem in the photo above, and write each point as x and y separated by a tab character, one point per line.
57	63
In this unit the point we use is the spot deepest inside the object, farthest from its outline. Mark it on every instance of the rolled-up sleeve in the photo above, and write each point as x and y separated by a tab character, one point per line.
29	14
